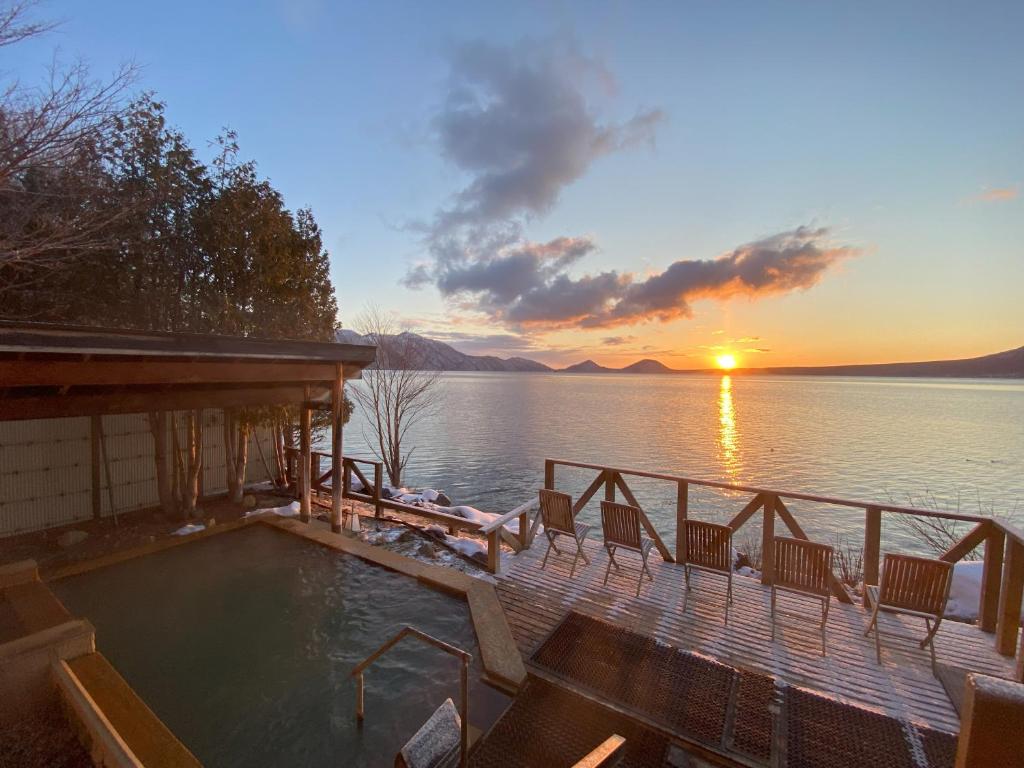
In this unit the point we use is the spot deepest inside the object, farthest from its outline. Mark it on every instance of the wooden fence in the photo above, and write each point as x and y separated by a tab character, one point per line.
1002	586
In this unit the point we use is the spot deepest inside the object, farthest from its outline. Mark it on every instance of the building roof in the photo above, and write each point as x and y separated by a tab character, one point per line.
58	370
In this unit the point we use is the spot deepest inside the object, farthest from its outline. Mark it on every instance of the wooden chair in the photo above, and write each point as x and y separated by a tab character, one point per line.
708	548
556	512
621	525
803	568
913	586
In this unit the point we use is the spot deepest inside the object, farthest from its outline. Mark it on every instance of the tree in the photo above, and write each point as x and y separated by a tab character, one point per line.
396	393
51	139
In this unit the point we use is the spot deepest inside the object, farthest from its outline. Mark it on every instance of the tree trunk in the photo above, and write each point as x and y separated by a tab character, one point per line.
158	428
195	461
241	458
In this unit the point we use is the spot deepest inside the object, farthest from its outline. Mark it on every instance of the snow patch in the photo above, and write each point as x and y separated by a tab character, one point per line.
965	592
185	530
289	510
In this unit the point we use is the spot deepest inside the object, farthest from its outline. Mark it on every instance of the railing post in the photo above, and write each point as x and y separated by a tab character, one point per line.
991	580
360	712
872	547
464	692
494	551
609	485
305	439
524	530
682	507
768	541
378	487
549	474
1009	598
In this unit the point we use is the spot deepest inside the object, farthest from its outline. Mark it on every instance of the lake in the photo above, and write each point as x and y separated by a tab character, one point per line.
938	443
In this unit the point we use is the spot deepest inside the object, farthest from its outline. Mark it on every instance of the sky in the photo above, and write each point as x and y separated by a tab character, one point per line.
792	183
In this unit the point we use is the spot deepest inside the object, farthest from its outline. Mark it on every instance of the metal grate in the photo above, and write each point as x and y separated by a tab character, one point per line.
939	747
547	725
686	693
752	724
824	733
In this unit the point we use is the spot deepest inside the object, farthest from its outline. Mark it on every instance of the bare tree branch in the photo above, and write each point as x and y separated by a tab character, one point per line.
396	392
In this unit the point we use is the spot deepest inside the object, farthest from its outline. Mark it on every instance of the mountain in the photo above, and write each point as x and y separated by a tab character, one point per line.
1005	365
438	356
588	366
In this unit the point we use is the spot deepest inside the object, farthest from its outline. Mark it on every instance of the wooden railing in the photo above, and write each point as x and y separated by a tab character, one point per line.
1003	544
463	657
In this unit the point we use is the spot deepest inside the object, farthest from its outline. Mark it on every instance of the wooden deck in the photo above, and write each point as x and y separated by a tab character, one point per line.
903	686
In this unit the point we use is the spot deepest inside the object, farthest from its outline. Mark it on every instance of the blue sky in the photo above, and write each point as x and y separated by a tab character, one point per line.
894	133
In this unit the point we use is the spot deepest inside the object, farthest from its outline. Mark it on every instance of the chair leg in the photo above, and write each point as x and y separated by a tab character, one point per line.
608	569
551	544
575	559
579	546
825	601
639	581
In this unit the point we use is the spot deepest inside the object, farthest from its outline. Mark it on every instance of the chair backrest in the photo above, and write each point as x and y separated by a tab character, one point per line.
708	545
556	511
915	583
621	524
801	564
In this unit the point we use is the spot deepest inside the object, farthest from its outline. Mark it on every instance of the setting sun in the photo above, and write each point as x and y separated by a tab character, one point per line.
726	362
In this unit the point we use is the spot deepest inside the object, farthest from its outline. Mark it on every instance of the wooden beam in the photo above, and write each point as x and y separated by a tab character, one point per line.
747	512
588	494
991	580
974	538
549	474
141	401
682	510
872	547
1010	594
337	421
95	428
768	541
794	527
98	373
305	482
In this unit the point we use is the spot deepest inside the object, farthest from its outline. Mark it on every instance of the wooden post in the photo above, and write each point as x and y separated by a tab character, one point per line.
494	551
682	509
1009	598
872	547
360	712
609	485
378	489
95	429
337	421
991	580
549	474
768	541
305	439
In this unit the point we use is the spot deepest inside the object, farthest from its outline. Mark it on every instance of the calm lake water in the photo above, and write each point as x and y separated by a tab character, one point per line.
951	444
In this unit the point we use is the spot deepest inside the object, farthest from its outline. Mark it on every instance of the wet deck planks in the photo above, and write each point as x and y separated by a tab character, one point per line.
903	686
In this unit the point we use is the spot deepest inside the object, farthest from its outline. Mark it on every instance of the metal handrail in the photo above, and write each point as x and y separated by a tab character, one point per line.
463	656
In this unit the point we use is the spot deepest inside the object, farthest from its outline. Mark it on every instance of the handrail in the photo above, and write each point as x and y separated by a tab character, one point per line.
463	656
896	508
603	753
508	517
999	605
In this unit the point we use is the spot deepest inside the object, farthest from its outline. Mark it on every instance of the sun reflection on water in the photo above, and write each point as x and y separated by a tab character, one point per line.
728	435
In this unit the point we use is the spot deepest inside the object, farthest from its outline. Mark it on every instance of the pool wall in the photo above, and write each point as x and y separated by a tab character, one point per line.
121	730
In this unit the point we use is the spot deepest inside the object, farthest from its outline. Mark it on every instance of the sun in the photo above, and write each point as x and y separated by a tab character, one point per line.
726	362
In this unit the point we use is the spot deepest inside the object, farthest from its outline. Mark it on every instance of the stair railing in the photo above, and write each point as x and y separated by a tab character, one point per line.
463	656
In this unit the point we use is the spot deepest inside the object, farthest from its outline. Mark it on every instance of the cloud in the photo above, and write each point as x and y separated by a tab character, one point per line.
517	120
999	194
547	297
617	341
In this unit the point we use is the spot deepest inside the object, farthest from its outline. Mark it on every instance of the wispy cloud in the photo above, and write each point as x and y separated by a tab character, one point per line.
997	194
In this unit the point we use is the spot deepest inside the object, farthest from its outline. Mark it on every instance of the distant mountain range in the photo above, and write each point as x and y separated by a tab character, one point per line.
439	356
